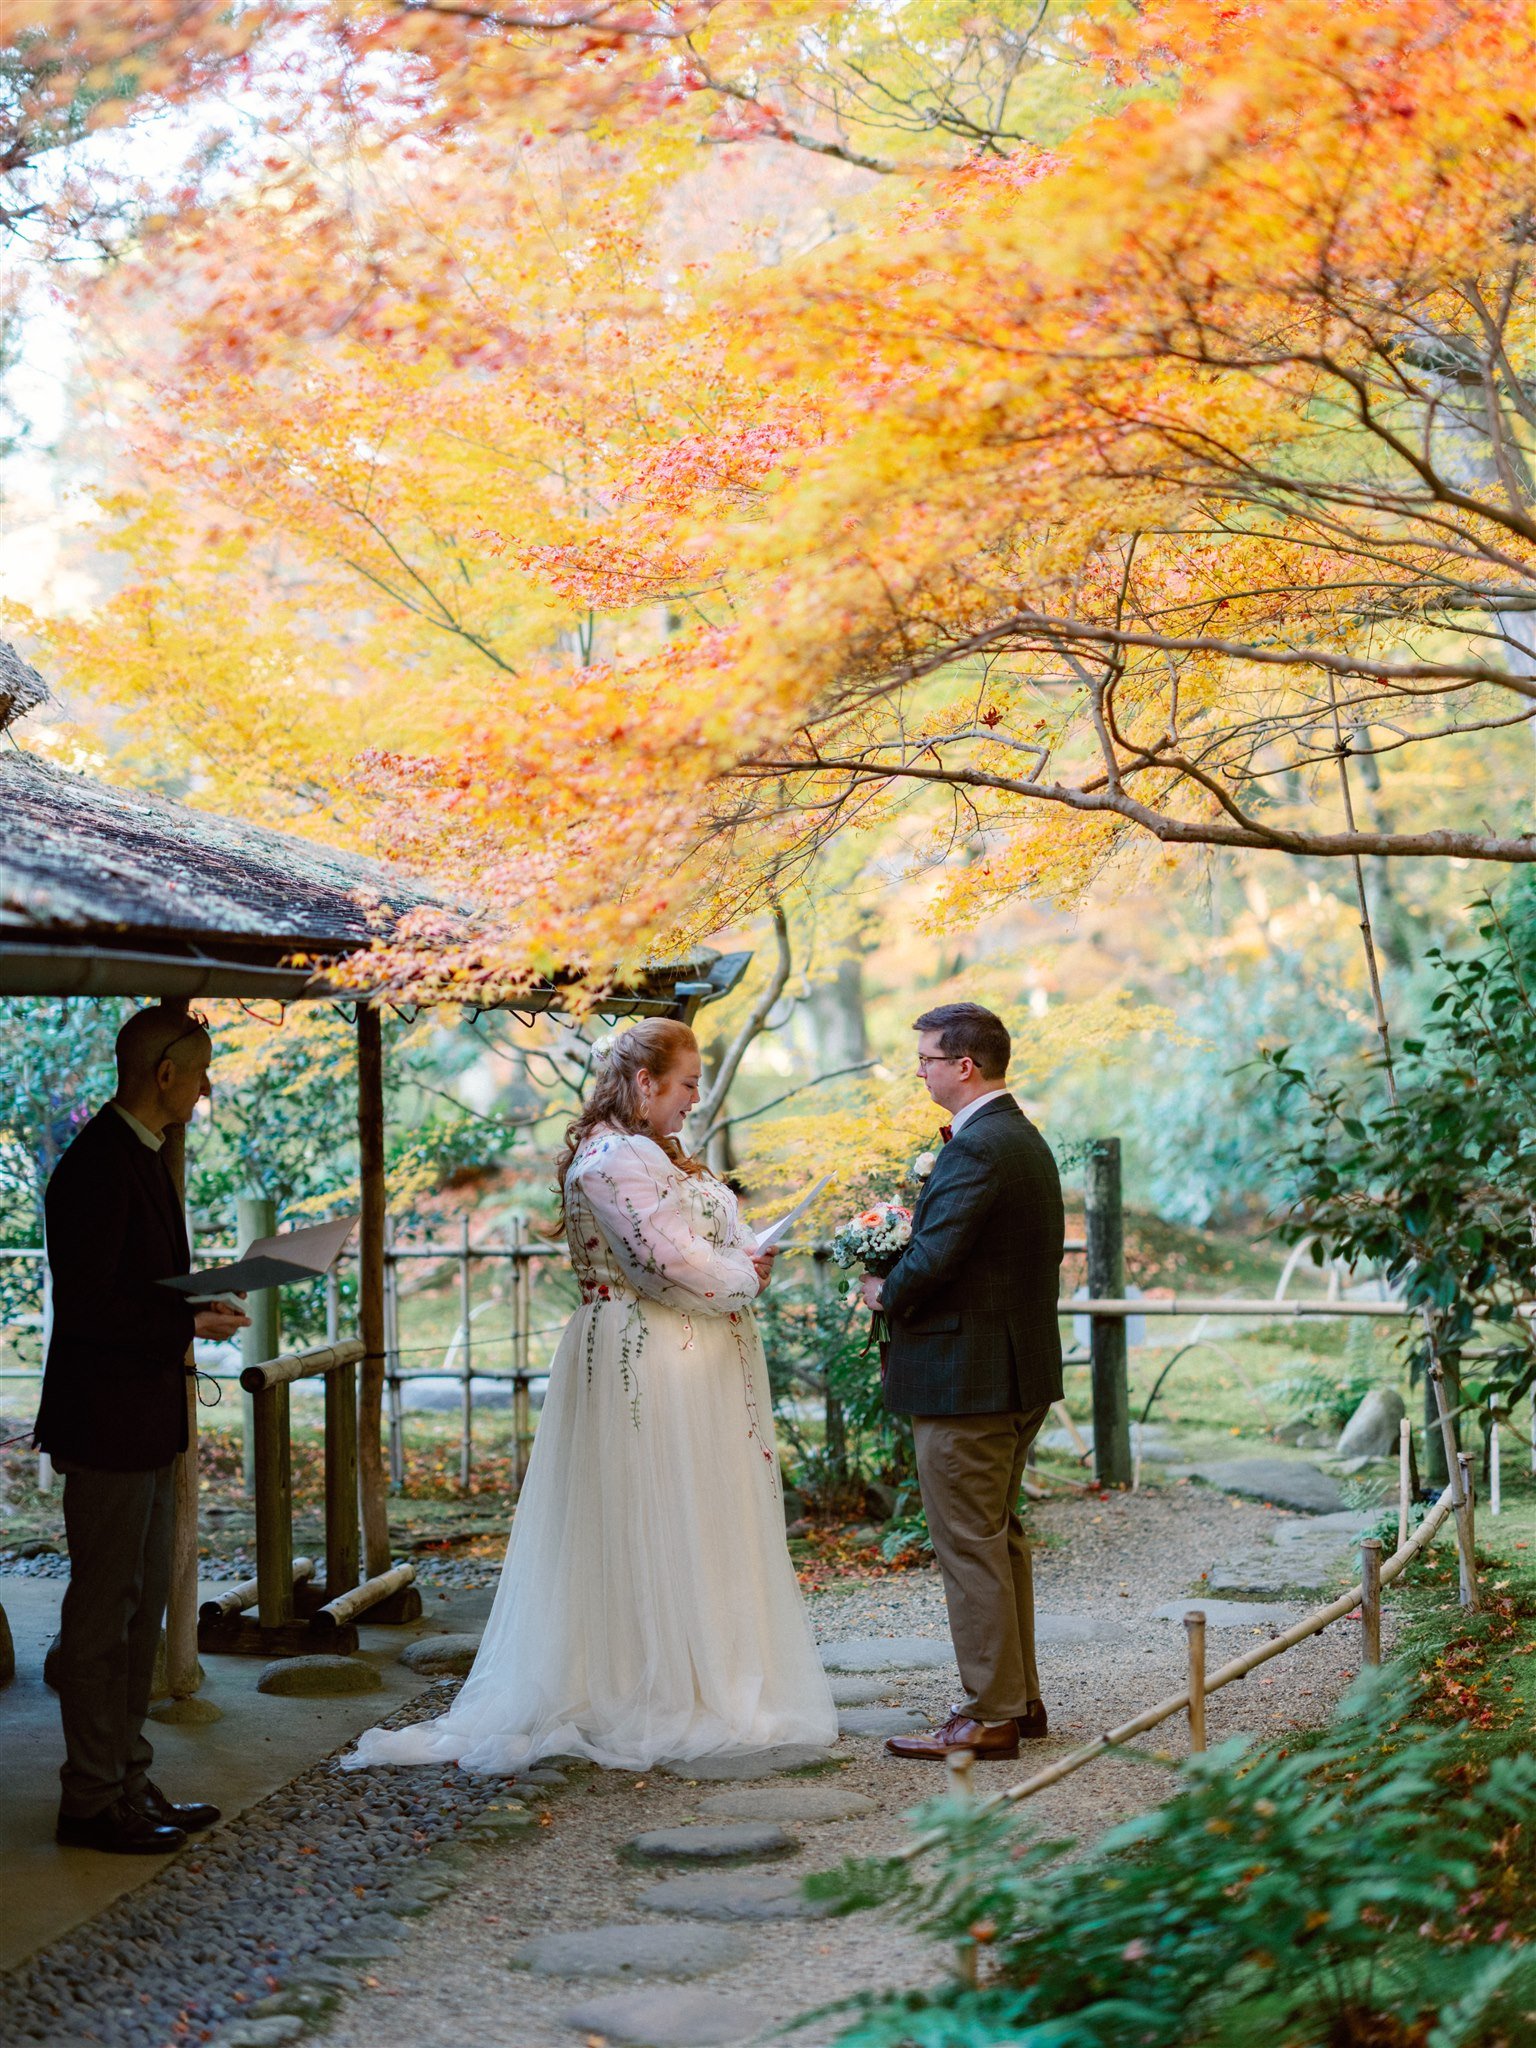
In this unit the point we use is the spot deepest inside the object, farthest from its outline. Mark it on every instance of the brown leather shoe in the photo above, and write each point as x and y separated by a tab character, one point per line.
958	1732
1032	1726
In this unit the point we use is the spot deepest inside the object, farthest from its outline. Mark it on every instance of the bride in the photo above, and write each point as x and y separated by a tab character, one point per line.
647	1610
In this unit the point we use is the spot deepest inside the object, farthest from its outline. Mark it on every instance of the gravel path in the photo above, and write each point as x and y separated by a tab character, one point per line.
404	1894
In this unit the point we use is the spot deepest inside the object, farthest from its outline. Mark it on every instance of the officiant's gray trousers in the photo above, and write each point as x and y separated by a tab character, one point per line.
119	1530
970	1469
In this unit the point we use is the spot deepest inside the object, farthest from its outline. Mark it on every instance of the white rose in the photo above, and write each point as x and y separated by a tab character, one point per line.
924	1164
903	1230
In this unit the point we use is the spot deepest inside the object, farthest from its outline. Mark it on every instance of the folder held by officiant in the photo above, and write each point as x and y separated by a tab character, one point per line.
271	1262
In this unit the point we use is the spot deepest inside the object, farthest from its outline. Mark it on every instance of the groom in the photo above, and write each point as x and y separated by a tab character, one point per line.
975	1360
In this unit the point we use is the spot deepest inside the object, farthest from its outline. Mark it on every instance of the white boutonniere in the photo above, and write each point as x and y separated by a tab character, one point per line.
924	1164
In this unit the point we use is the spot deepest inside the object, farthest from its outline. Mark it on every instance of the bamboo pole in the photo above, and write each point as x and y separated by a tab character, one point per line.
1226	1674
1404	1484
299	1365
1370	1600
184	1675
346	1606
370	1288
247	1592
1194	1628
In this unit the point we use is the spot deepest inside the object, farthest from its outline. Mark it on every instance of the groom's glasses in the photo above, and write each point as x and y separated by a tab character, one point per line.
925	1060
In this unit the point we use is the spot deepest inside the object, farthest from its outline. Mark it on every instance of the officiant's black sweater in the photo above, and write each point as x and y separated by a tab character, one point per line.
114	1390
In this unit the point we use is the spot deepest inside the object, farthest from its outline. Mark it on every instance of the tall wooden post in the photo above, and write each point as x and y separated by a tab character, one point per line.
522	1327
1107	1335
256	1216
274	1507
183	1673
370	1289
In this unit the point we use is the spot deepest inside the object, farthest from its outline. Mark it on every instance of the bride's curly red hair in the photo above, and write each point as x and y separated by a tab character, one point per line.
655	1044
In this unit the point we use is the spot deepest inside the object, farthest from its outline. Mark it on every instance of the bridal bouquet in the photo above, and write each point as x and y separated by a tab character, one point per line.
874	1240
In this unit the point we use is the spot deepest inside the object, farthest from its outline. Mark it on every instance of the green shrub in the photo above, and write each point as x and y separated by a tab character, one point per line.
1313	1898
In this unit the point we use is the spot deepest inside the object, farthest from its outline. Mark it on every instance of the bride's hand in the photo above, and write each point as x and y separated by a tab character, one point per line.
763	1266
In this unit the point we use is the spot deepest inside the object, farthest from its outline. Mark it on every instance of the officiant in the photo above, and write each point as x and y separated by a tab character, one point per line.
113	1419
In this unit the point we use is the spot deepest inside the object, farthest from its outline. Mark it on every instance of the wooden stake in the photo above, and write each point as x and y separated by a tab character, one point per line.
1194	1628
256	1216
1370	1600
1404	1478
370	1289
1107	1334
467	1395
958	1765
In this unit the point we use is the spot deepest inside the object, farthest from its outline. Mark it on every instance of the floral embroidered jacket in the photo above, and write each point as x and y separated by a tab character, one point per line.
639	1227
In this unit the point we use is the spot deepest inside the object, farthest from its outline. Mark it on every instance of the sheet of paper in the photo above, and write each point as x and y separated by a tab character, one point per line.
775	1232
316	1246
270	1262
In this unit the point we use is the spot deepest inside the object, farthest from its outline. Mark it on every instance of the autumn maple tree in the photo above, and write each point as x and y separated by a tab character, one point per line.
627	450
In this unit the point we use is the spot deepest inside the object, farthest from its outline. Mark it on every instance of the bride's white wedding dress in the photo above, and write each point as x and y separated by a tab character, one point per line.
647	1610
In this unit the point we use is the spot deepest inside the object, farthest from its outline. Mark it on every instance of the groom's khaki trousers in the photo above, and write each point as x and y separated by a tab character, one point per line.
970	1469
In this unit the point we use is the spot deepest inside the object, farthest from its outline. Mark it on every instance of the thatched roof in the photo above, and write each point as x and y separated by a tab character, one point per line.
110	891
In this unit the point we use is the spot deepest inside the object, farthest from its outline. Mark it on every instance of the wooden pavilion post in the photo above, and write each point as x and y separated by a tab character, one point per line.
183	1673
370	1289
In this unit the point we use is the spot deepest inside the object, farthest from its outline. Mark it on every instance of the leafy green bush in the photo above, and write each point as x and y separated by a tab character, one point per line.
1435	1191
1312	1898
817	1344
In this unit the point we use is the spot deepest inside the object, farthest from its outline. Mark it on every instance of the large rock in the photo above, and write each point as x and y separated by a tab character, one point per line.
319	1677
662	2017
441	1656
1372	1431
1277	1480
620	1951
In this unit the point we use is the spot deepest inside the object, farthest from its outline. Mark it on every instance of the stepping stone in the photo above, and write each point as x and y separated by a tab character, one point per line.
751	1895
441	1656
859	1692
1226	1613
617	1951
319	1677
888	1653
740	1764
738	1842
1288	1485
1079	1628
362	1948
664	2018
788	1802
882	1721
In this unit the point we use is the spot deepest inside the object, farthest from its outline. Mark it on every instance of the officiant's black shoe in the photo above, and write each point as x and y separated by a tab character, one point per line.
191	1819
118	1830
1032	1724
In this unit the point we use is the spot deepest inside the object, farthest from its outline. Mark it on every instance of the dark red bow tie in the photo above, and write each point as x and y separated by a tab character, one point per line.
946	1132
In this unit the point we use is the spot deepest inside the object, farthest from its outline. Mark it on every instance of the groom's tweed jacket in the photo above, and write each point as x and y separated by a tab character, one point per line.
972	1299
